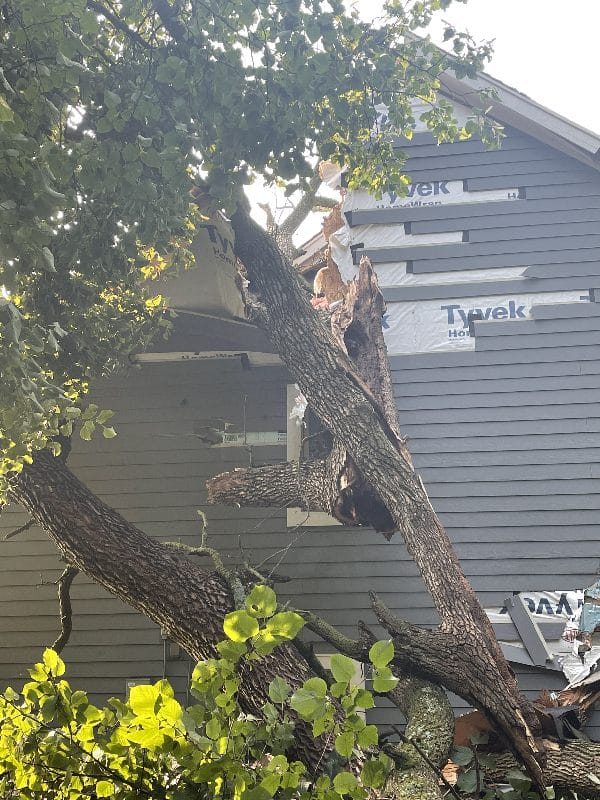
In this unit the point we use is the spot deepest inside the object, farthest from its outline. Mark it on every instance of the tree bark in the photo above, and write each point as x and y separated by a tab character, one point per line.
346	406
189	603
568	768
430	725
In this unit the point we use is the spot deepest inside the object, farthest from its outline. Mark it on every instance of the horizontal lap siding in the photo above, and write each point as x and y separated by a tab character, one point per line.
154	473
510	461
506	437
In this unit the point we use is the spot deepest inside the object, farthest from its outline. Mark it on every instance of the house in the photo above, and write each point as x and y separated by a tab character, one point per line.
490	268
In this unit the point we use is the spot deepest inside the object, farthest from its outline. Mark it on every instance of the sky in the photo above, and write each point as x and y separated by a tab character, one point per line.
547	49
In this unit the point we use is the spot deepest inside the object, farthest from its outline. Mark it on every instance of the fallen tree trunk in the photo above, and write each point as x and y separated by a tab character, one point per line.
348	408
569	768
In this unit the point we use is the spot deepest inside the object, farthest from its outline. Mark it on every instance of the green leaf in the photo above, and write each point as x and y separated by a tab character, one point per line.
104	416
364	699
383	680
53	662
105	789
467	781
381	653
232	651
109	433
48	259
342	667
256	793
317	686
518	780
305	703
6	112
213	728
368	737
142	700
344	783
344	744
87	430
285	625
271	783
239	626
461	756
150	736
261	602
373	774
48	708
279	690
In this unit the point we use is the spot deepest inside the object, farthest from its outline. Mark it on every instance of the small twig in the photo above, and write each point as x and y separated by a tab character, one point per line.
428	761
64	606
229	576
22	529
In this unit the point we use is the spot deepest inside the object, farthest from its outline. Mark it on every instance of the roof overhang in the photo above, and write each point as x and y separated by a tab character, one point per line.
197	337
517	110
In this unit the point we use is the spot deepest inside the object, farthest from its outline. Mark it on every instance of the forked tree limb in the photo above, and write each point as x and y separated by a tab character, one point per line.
188	602
345	405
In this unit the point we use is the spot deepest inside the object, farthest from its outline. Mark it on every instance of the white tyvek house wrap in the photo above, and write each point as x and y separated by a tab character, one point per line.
395	274
436	325
427	193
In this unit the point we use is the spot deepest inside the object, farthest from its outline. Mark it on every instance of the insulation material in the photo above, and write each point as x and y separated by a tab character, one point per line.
210	287
426	193
438	325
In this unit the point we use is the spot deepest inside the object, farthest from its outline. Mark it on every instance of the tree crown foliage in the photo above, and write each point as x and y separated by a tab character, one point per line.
107	114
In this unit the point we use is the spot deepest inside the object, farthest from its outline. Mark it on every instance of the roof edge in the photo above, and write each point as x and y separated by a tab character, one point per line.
517	110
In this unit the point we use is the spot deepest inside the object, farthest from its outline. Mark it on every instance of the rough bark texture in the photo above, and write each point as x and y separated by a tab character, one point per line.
334	485
568	767
345	405
189	603
430	725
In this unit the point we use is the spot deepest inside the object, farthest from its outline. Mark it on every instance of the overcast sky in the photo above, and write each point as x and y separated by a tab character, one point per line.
547	49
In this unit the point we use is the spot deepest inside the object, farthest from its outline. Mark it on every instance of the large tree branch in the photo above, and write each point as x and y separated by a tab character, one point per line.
568	768
120	557
349	410
187	602
296	484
